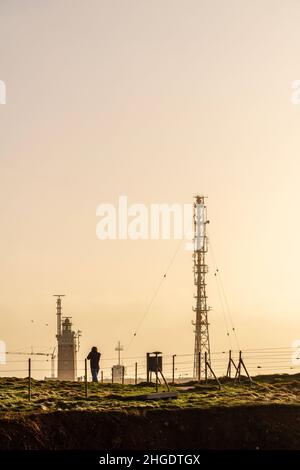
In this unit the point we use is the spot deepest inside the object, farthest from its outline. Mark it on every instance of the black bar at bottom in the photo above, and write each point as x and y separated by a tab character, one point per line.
133	459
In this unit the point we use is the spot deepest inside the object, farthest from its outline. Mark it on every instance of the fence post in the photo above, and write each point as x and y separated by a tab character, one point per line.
240	364
229	365
29	378
85	379
205	358
246	370
123	373
199	366
135	374
148	372
156	383
102	376
112	375
173	368
214	375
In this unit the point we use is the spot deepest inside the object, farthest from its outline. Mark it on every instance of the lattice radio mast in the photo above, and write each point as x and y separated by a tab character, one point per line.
201	324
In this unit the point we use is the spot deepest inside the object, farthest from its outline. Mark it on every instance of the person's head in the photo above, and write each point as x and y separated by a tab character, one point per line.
94	349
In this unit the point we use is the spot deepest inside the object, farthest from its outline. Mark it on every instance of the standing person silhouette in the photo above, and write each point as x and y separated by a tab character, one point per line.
94	358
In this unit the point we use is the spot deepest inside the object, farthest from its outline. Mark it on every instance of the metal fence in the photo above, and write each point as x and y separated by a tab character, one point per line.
177	368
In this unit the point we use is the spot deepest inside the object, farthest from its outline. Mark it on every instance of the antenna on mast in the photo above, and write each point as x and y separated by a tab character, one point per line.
119	348
58	312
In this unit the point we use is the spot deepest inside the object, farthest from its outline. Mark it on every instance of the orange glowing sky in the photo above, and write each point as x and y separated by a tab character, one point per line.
158	100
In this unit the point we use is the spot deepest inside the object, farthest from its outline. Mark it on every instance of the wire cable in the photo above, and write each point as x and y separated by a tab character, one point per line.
219	278
148	308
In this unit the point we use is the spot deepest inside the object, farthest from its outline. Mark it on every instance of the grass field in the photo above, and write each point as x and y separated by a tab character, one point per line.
265	415
55	396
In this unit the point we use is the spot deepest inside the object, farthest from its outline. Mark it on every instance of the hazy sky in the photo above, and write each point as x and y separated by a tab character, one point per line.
157	100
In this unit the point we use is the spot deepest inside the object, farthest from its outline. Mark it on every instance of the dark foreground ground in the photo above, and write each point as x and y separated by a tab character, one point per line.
264	416
267	427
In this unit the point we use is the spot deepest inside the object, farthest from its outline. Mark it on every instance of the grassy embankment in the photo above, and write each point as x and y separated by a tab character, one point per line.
55	396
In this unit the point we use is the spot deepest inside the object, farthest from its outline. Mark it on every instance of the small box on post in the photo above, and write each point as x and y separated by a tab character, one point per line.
154	364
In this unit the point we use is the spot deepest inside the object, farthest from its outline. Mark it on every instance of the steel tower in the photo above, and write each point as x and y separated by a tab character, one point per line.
201	324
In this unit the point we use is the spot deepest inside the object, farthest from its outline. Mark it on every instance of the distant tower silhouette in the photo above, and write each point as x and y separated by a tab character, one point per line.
201	324
118	370
119	348
66	342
